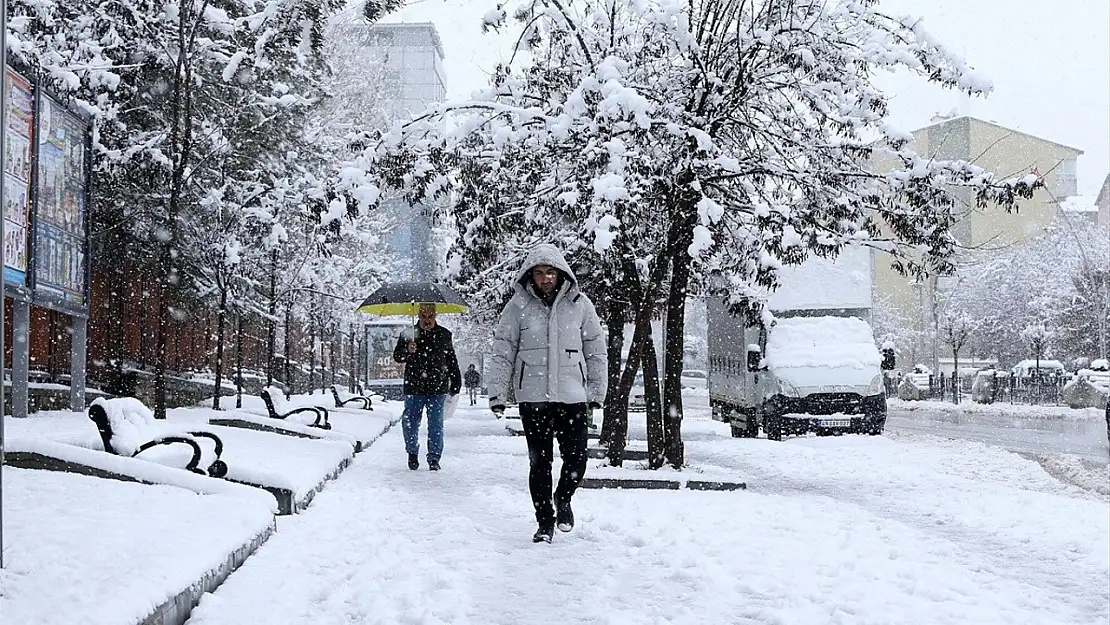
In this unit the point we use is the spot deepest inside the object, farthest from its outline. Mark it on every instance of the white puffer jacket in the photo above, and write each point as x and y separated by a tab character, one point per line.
548	353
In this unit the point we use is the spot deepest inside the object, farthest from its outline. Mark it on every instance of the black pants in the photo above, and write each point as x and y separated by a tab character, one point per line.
543	422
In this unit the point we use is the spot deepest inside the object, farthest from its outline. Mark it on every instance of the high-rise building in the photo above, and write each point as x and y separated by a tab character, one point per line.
397	70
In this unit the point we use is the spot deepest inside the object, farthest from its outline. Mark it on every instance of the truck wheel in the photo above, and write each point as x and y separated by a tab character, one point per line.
876	427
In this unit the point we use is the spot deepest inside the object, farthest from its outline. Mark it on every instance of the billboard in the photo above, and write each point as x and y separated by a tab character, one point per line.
60	264
381	338
17	175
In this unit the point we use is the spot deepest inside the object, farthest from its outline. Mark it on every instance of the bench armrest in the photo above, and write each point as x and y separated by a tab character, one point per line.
169	440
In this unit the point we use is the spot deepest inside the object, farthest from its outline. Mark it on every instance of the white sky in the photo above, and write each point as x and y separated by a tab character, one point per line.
1050	63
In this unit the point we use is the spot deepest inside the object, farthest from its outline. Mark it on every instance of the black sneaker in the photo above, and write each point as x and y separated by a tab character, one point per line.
543	534
433	465
564	517
414	462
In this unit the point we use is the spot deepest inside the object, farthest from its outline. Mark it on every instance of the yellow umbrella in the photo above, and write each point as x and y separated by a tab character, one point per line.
406	298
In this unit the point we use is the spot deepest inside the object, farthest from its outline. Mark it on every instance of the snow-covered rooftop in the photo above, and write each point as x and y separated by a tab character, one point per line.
1079	204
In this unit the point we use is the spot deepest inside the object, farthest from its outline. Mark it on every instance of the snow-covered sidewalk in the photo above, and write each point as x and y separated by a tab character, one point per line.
840	530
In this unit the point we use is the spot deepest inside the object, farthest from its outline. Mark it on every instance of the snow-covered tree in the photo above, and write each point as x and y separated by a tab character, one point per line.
907	334
957	328
687	142
1040	280
1083	314
1038	339
200	114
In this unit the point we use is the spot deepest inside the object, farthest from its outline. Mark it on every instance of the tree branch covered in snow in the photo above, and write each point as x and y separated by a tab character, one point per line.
751	126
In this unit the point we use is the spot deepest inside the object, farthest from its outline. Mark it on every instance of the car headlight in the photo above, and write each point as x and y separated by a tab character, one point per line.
876	386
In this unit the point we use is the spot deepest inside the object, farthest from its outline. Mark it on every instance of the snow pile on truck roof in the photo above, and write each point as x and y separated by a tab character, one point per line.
810	351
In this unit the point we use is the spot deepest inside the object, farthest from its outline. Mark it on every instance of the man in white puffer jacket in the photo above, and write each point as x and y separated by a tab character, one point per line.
550	346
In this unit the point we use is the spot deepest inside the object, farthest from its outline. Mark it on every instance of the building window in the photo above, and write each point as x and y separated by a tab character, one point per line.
1067	179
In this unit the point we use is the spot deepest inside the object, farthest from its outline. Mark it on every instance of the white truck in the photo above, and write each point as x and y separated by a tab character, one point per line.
816	369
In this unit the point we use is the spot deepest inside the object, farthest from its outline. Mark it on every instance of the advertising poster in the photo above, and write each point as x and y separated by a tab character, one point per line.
381	368
60	210
17	176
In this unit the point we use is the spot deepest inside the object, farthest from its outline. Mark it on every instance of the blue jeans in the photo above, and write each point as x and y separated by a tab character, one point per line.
410	424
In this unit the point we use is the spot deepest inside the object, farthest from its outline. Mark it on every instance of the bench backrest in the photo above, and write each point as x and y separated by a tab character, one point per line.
124	424
273	397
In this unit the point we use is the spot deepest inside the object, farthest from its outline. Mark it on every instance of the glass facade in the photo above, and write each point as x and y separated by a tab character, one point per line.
411	59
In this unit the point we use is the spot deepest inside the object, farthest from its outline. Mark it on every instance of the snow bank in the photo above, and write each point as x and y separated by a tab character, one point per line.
105	552
998	409
1090	476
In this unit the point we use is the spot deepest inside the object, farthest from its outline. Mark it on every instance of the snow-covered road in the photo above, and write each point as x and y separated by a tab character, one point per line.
1083	438
861	530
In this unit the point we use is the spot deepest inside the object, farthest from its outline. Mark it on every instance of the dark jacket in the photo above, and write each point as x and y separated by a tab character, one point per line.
433	369
472	378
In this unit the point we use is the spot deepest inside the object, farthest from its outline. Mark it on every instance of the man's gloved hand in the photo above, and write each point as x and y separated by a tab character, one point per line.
595	406
498	410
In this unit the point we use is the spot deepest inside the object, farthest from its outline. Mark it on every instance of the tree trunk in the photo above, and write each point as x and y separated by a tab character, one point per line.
143	307
160	355
311	356
208	336
653	408
353	372
239	362
118	349
287	349
180	144
643	298
272	320
615	318
221	315
177	347
674	351
955	376
680	236
331	362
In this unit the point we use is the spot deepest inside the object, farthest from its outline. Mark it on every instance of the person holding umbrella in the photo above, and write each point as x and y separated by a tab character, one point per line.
431	373
431	367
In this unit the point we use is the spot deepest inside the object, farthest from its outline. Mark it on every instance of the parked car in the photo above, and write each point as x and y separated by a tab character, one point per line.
637	398
694	379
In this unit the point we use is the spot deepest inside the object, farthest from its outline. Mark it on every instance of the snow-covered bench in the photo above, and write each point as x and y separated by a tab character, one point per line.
128	428
359	401
277	404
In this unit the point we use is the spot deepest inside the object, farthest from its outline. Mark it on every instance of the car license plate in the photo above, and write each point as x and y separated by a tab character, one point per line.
834	423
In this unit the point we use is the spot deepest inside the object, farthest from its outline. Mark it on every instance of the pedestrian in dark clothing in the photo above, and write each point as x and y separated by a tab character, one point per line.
472	379
549	344
431	372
